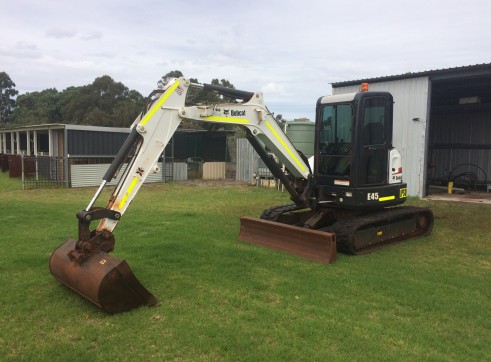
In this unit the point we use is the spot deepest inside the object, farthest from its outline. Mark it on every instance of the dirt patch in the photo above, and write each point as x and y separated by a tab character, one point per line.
214	183
476	197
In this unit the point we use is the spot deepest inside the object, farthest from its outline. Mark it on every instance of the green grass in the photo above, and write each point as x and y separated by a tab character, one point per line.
427	299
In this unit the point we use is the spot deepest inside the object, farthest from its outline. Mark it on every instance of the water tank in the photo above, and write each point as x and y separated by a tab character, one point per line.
301	133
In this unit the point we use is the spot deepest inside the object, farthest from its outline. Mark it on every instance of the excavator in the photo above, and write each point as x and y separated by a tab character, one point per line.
347	198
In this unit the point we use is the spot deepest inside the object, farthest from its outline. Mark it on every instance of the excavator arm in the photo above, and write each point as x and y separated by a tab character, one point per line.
84	264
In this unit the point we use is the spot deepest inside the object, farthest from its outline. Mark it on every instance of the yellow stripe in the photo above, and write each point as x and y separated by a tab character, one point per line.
285	146
227	119
386	198
159	103
128	192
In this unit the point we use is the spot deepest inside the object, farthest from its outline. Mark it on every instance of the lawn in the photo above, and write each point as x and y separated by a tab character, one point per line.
426	299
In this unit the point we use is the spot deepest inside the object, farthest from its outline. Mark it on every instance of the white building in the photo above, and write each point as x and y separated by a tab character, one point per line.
442	124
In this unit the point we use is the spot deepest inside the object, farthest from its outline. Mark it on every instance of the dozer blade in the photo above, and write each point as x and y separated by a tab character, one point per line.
105	280
311	244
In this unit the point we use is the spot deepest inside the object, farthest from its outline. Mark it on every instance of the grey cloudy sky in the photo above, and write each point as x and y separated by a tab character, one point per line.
290	50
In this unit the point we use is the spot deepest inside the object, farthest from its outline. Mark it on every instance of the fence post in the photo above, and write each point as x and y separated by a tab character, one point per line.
22	171
164	166
67	169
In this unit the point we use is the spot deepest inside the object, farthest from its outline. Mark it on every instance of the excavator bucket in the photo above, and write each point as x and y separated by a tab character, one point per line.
311	244
105	280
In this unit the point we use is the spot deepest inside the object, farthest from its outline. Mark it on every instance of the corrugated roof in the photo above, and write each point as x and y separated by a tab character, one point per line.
486	67
46	126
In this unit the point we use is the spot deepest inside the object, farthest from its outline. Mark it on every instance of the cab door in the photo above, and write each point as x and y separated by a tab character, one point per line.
375	138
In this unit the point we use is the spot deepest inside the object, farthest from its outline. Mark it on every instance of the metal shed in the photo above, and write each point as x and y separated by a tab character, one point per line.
60	140
60	154
78	155
442	124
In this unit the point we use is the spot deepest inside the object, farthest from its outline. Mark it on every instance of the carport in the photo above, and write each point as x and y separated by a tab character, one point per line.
459	148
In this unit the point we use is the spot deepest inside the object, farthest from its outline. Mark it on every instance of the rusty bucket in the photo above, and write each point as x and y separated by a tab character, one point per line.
105	280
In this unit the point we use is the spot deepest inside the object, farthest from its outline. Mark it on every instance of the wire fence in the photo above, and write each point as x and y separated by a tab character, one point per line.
41	171
56	172
52	172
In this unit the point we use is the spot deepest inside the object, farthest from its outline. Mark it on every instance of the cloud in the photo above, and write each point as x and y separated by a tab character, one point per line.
93	35
287	49
273	89
60	33
21	50
26	46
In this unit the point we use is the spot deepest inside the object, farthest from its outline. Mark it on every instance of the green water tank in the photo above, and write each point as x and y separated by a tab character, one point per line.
301	133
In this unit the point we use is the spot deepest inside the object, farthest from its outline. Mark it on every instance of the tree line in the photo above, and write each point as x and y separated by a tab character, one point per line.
104	102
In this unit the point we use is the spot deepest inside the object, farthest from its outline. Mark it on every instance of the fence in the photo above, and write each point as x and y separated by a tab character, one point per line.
38	172
55	172
250	167
52	172
89	171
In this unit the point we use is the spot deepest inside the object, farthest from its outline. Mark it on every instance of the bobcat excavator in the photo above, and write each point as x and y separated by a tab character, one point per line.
344	200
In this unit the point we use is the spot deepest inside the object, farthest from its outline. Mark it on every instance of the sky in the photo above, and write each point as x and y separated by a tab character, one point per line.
290	50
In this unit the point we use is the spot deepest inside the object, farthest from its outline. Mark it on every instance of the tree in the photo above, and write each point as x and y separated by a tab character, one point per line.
166	78
7	92
37	108
105	102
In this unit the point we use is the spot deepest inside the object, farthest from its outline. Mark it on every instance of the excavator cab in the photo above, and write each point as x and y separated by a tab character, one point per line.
356	165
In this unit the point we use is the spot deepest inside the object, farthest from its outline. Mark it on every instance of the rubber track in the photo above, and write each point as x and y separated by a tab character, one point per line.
273	213
346	229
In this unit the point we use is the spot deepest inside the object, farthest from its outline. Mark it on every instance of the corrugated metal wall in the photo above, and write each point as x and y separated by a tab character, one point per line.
209	145
247	161
82	142
91	175
180	171
409	137
214	171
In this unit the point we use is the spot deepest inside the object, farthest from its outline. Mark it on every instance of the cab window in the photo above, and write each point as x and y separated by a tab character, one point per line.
335	137
374	121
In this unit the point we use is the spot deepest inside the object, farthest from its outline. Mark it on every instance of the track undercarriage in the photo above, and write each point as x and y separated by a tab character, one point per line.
353	232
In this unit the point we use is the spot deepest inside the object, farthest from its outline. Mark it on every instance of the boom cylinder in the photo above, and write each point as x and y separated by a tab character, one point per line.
123	153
